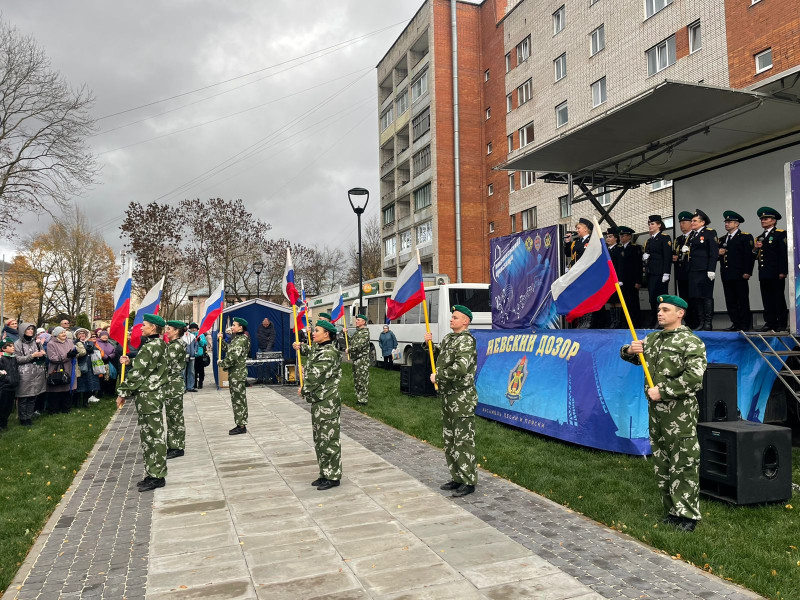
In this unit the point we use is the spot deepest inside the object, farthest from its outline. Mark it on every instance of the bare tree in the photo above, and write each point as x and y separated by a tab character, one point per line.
323	269
370	253
44	124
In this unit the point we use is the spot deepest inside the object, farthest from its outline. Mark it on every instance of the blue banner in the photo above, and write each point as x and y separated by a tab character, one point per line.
524	266
572	384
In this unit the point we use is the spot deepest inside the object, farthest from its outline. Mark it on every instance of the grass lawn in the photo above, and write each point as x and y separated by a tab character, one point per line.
37	466
756	547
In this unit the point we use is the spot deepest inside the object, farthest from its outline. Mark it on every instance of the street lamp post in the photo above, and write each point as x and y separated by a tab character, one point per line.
258	266
356	195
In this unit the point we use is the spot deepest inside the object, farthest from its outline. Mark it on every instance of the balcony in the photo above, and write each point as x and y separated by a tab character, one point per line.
404	222
387	198
404	151
405	185
426	250
387	167
390	261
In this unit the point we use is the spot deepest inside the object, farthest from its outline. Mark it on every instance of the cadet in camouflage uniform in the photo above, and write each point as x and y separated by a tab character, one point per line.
306	350
359	353
237	351
173	403
322	375
676	358
146	382
455	376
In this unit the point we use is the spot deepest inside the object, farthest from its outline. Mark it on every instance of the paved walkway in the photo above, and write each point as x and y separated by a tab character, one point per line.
238	519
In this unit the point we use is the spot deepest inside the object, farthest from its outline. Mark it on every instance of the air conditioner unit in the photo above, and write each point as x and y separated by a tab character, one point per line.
440	281
388	286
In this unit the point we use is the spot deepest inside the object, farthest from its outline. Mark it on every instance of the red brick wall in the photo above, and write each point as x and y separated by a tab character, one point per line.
753	28
681	43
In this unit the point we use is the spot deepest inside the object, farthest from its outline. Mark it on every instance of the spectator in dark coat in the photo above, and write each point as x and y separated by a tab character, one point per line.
265	336
88	383
30	355
10	330
9	380
111	359
388	343
60	354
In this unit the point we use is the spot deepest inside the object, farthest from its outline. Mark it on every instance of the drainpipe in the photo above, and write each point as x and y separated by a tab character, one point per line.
456	160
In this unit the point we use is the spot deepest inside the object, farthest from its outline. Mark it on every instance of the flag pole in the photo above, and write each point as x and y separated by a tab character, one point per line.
219	337
297	340
124	349
346	341
428	328
633	333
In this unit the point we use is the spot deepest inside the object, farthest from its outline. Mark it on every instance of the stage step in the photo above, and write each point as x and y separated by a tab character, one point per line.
791	347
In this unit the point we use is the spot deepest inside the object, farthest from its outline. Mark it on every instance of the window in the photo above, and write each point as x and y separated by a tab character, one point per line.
598	92
390	246
695	37
421	161
560	65
511	183
488	113
526	134
597	40
402	102
386	118
424	233
486	75
510	138
513	223
525	92
421	124
660	185
651	7
562	114
526	178
524	50
509	103
419	86
566	207
529	219
405	240
491	226
489	148
422	197
764	60
388	215
558	20
661	56
508	62
490	188
603	197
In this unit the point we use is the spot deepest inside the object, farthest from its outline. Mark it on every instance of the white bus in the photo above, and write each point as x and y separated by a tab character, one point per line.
410	328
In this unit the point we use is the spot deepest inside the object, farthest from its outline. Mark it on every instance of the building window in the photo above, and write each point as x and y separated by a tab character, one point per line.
421	124
511	183
419	86
524	50
509	103
491	226
402	102
386	118
526	134
529	219
490	189
489	148
486	75
488	113
513	223
388	215
422	197
598	92
525	92
651	7
597	40
424	233
390	246
421	161
764	60
526	178
660	185
566	207
510	138
661	56
508	62
405	240
559	20
560	65
562	114
602	196
695	37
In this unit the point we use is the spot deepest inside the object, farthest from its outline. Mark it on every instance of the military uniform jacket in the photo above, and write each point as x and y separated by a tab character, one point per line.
307	350
631	273
738	258
773	256
659	248
322	375
359	344
703	250
176	363
617	258
577	248
682	264
237	350
147	380
456	363
677	362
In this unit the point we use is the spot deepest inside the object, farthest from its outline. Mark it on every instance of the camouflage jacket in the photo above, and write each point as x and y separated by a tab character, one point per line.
676	360
176	363
359	344
236	353
308	350
456	363
147	378
321	377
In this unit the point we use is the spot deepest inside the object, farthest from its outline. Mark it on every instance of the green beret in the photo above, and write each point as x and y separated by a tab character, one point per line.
327	325
240	321
674	300
6	342
360	316
685	215
155	320
729	215
326	316
766	211
625	230
177	324
463	310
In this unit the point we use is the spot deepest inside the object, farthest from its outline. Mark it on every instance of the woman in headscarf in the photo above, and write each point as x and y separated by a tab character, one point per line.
88	383
109	352
60	354
32	372
10	331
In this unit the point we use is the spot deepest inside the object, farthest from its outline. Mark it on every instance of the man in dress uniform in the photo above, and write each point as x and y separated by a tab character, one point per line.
359	353
617	320
773	266
680	260
147	383
735	268
576	250
630	277
455	375
703	256
235	363
657	259
676	359
173	404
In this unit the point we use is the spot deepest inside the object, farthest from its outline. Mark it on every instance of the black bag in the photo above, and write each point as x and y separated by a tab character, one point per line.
58	377
205	359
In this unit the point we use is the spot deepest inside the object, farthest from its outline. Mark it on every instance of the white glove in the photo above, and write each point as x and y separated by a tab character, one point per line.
684	249
711	275
665	278
645	256
620	283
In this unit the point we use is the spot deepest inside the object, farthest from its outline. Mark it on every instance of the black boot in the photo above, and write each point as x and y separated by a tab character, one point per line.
174	453
708	314
155	482
238	430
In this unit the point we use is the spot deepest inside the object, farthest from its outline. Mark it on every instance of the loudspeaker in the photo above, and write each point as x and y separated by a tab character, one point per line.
718	398
742	462
421	371
405	379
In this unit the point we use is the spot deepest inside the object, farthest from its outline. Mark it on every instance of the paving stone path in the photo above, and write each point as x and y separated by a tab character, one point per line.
238	519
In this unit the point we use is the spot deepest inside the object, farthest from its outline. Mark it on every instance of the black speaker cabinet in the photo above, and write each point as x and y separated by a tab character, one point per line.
718	398
421	371
742	462
405	379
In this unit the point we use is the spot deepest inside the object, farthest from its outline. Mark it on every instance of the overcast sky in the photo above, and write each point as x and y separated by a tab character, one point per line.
311	147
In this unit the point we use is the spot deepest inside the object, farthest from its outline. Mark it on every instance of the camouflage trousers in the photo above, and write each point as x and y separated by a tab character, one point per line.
361	379
459	445
154	447
676	457
328	447
176	432
239	398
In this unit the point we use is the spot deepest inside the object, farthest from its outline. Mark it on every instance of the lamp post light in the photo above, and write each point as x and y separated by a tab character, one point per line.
258	266
356	195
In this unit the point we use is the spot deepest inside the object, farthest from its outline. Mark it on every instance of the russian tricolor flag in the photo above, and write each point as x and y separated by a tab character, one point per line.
588	285
409	291
302	311
337	312
289	288
212	309
149	306
122	306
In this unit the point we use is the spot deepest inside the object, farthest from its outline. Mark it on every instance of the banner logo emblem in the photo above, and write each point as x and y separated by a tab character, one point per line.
547	240
516	379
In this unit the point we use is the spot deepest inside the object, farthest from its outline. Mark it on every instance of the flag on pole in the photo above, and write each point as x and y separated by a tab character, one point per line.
149	306
302	310
588	285
289	288
212	309
337	312
408	292
122	305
